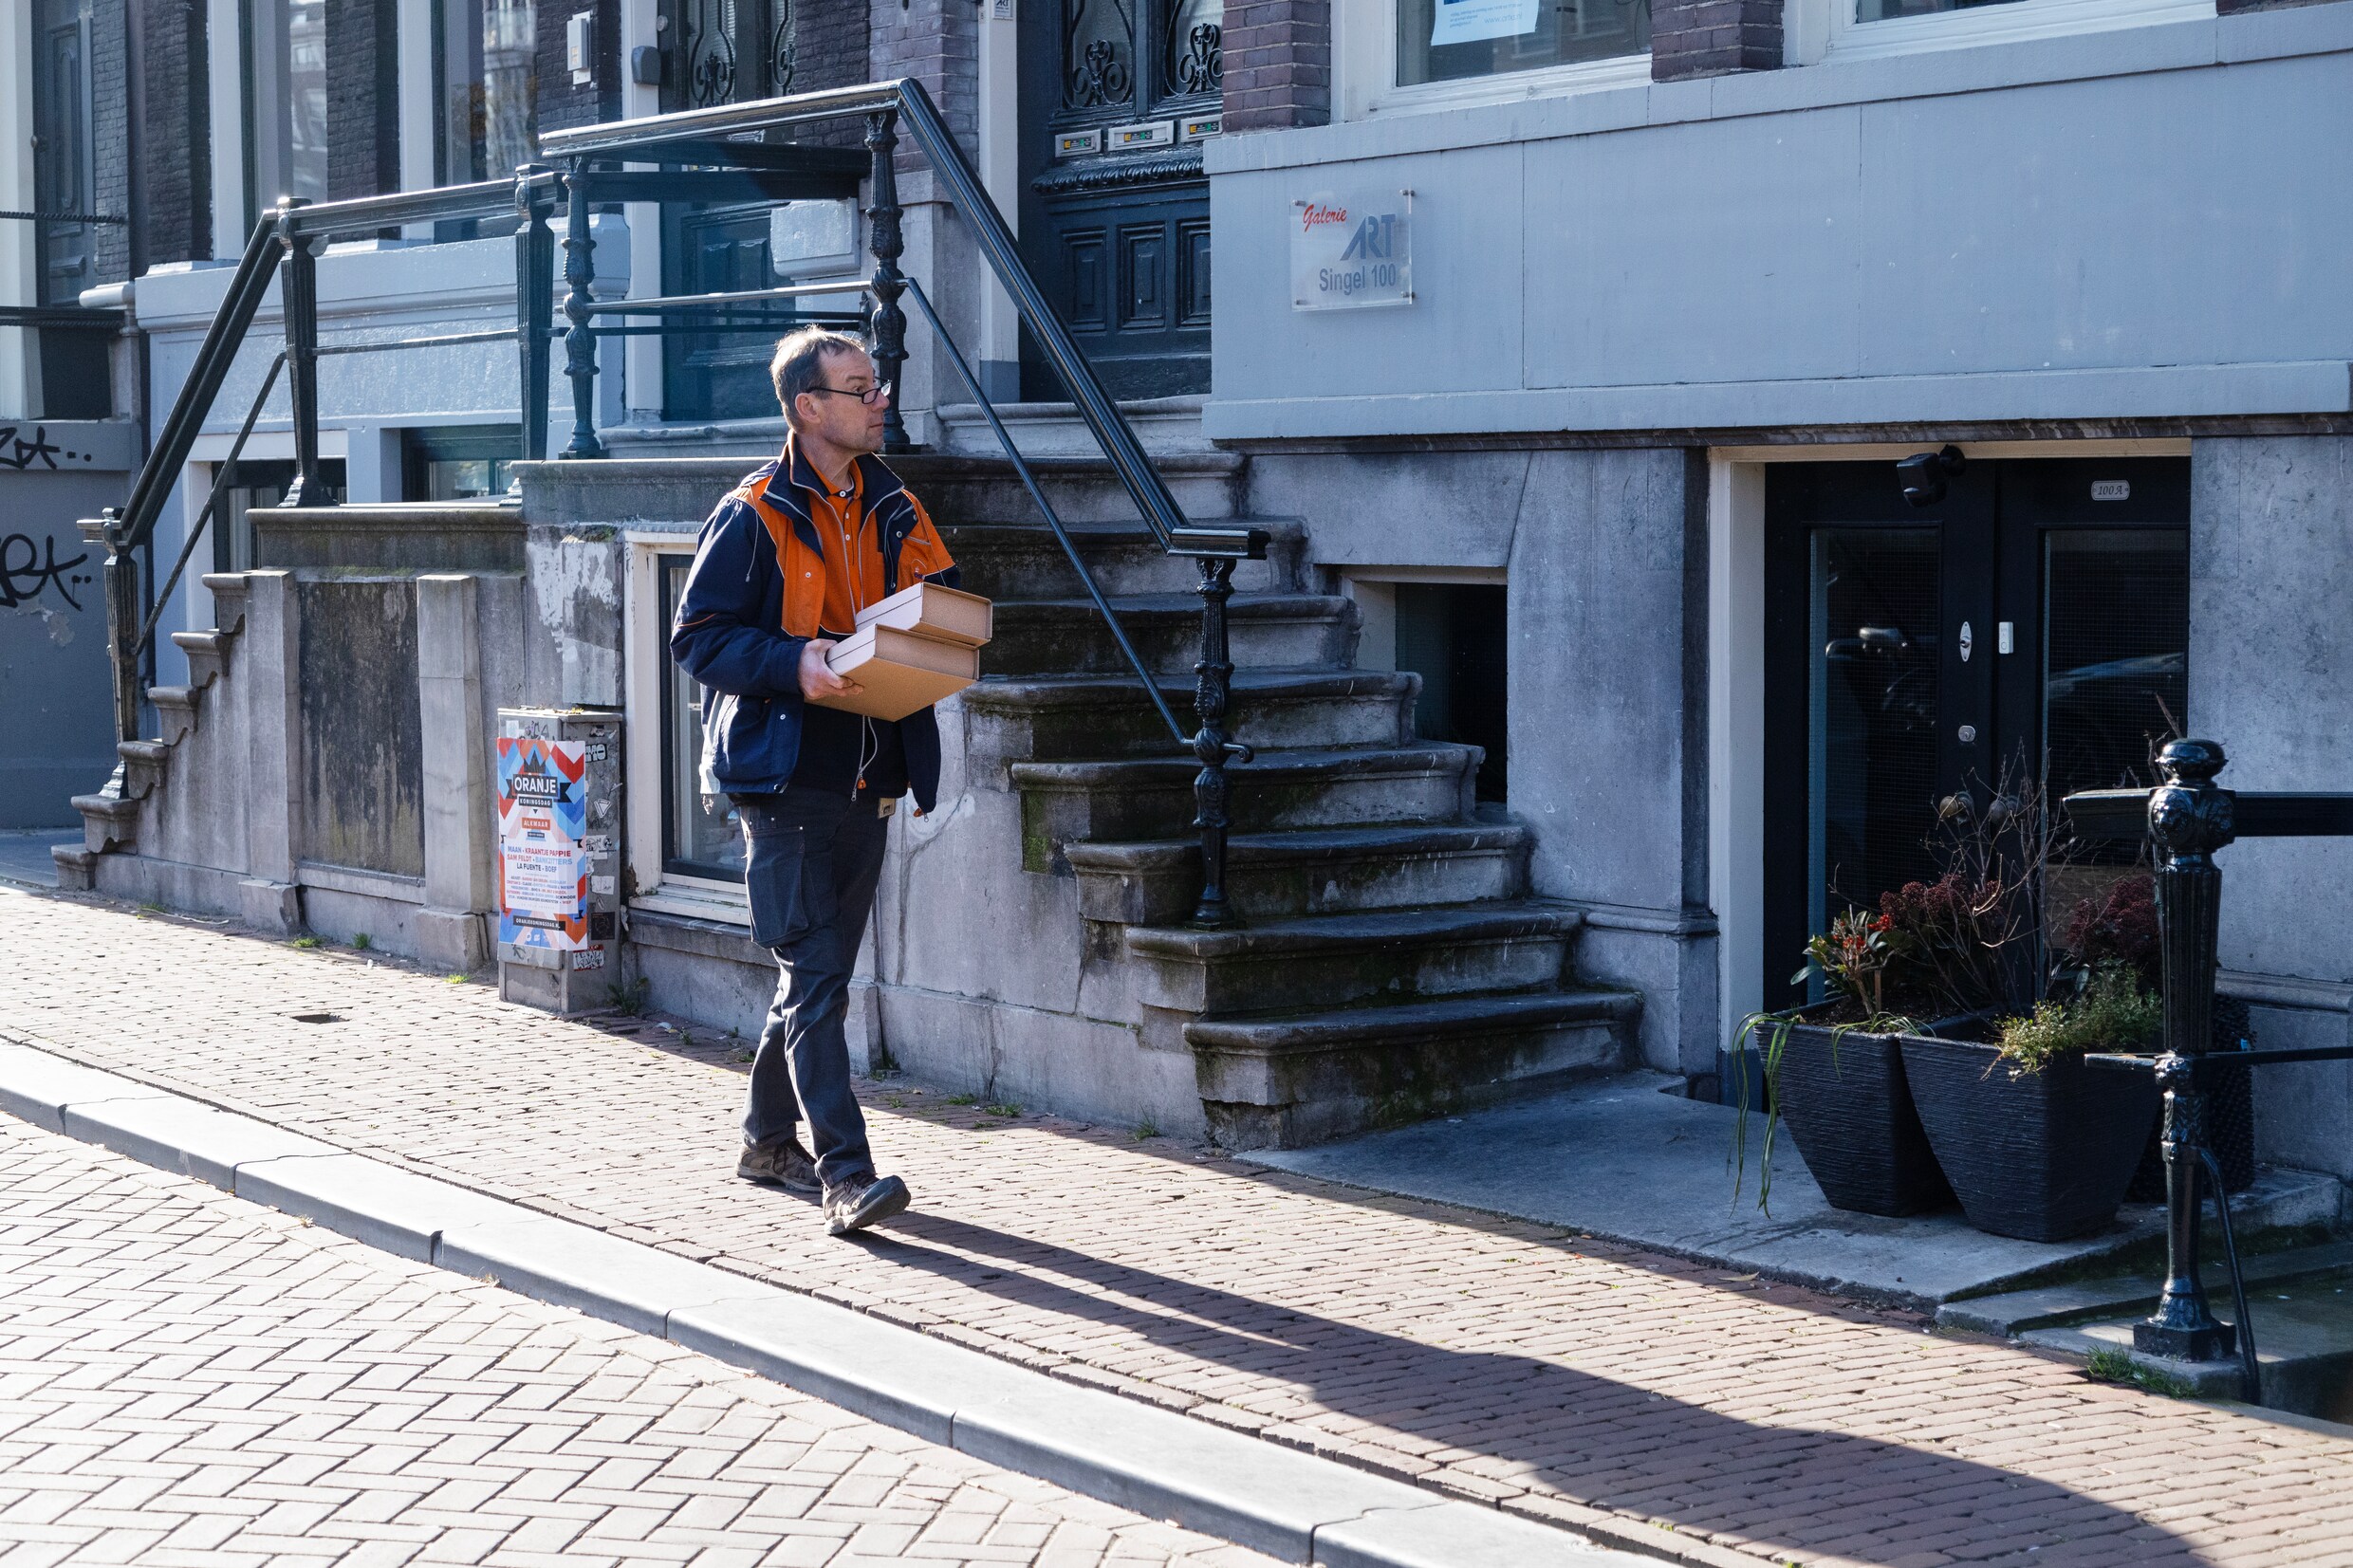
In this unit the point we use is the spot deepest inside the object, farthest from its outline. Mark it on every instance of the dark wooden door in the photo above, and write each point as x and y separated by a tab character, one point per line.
1116	99
714	52
2030	627
62	171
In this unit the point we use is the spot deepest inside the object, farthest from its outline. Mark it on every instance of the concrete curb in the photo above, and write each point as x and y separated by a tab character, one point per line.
1278	1501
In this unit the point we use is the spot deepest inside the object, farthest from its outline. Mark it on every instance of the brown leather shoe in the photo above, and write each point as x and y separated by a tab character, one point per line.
854	1205
779	1162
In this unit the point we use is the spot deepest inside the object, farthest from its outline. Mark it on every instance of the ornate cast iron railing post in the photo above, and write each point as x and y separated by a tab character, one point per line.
580	343
2190	818
123	616
1213	693
300	299
888	322
535	291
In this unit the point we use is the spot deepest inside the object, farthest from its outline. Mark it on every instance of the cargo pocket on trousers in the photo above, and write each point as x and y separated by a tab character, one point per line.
789	883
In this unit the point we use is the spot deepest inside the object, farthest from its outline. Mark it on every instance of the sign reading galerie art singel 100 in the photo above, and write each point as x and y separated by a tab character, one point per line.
1352	248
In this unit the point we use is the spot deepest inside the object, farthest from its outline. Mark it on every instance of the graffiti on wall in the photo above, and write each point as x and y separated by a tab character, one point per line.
19	453
29	570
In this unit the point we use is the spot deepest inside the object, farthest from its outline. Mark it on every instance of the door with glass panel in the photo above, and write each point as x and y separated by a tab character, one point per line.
2032	624
1116	98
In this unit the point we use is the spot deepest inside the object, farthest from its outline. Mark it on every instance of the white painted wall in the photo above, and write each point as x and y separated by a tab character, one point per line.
2054	228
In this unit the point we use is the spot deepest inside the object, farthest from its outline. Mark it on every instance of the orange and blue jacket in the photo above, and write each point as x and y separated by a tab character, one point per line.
754	598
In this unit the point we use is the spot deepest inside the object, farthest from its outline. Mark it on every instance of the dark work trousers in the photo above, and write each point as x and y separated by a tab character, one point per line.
814	856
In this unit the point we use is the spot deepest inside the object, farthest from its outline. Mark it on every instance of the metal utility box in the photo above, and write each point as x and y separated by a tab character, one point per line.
559	856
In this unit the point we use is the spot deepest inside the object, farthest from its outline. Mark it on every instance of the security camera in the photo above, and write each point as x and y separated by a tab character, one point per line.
1924	474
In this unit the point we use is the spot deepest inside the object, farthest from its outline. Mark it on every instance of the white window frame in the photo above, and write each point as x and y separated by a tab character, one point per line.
1364	51
657	890
1826	29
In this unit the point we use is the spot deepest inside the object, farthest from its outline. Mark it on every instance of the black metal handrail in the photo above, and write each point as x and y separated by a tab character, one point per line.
288	238
1053	518
2185	820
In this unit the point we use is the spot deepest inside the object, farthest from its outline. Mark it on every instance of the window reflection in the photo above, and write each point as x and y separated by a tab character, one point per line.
701	833
488	90
1451	40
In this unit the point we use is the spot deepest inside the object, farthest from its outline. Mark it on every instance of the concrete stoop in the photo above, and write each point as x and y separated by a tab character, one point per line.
110	818
2298	1298
1393	965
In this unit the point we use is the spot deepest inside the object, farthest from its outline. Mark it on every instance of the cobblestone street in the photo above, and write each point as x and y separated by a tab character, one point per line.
187	1378
1723	1419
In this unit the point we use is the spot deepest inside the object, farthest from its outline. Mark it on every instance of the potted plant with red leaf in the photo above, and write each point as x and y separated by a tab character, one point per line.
2037	1142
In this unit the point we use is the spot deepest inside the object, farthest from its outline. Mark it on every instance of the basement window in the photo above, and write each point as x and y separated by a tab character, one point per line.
457	462
1453	635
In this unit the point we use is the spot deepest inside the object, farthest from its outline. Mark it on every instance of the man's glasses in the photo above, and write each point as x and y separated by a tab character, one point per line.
879	393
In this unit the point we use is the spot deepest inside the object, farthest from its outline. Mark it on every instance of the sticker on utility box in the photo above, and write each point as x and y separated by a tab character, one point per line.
542	860
1352	248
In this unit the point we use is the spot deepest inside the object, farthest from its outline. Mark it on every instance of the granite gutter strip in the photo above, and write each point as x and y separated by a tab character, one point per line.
1288	1505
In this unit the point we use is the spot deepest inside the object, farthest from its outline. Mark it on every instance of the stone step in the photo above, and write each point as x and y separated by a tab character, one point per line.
77	867
1207	488
230	592
1024	561
1279	874
144	765
208	655
1281	1081
176	710
1064	802
109	819
1334	960
1096	717
1068	636
442	536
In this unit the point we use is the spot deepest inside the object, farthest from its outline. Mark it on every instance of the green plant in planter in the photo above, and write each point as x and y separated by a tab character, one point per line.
2113	1012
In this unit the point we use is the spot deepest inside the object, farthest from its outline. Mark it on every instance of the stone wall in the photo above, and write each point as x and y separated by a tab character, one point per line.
1278	64
362	61
1607	556
2271	679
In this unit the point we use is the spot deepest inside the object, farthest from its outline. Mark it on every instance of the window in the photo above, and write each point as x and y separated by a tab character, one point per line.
1452	635
486	88
700	835
286	101
321	101
457	462
1872	28
1453	40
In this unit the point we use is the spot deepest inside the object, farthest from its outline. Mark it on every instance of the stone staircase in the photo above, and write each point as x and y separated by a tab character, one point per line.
1392	964
1031	942
110	818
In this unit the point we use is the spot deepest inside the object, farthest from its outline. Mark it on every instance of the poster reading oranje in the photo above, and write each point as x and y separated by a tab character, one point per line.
543	843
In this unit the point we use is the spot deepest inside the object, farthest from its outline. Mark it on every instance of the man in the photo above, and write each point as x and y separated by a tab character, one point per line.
782	568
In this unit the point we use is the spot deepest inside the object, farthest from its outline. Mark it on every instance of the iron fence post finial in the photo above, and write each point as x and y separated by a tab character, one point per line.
889	322
1212	694
2190	818
580	343
301	298
535	293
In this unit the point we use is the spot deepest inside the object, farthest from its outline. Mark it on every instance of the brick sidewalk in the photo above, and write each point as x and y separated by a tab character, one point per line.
1556	1376
189	1380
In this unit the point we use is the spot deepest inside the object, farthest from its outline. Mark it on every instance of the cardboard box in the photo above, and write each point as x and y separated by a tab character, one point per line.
898	670
929	610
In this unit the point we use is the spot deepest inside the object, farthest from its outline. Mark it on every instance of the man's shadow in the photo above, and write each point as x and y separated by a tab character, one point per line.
1593	1441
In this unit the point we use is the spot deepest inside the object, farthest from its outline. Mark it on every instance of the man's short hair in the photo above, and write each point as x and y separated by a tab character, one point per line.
800	363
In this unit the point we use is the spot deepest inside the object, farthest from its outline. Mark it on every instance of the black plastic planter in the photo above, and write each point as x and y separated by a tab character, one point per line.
2042	1156
1848	1104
